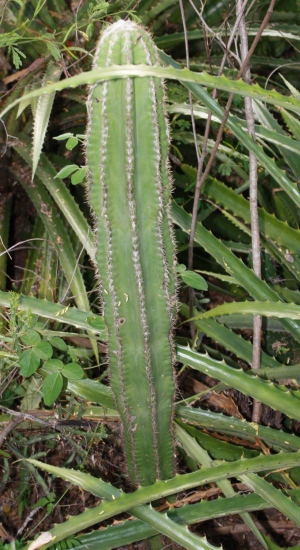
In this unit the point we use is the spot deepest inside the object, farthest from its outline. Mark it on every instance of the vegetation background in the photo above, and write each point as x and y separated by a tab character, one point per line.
234	121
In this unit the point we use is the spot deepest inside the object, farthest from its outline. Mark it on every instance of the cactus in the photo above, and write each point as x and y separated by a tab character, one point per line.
129	193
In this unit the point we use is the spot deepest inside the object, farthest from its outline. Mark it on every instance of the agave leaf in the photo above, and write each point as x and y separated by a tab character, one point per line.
57	312
279	373
134	530
167	42
229	340
288	261
270	226
217	448
245	322
30	275
89	389
268	121
58	233
257	288
201	456
194	82
48	274
159	522
220	276
279	175
94	323
154	12
282	140
42	113
275	396
22	106
268	309
272	495
292	89
93	391
292	123
242	429
130	502
282	255
63	198
185	76
164	488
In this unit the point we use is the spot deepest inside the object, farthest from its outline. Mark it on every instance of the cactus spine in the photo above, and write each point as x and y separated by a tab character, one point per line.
129	192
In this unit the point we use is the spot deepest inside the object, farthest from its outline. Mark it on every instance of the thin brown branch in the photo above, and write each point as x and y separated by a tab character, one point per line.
204	148
226	113
200	179
23	416
9	428
255	233
191	290
230	99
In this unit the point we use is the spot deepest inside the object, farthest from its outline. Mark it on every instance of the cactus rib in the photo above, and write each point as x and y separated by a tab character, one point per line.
129	192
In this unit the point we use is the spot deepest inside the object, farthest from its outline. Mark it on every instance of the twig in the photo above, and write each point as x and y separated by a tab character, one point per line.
8	250
200	179
73	275
217	38
277	525
11	426
22	416
223	122
255	238
27	520
199	158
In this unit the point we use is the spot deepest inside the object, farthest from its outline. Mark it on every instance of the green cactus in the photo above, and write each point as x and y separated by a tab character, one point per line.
129	192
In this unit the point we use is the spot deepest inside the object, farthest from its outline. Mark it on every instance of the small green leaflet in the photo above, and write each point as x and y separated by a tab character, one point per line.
53	49
3	453
43	350
30	338
78	172
73	371
96	322
52	387
28	362
66	171
53	365
194	280
58	343
78	176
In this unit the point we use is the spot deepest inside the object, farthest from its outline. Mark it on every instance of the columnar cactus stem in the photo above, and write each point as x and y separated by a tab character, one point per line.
129	192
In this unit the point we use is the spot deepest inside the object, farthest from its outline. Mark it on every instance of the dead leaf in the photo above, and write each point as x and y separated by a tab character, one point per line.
44	538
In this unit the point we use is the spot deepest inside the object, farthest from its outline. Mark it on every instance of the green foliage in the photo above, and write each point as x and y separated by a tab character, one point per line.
77	173
191	278
42	333
17	56
48	502
35	353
